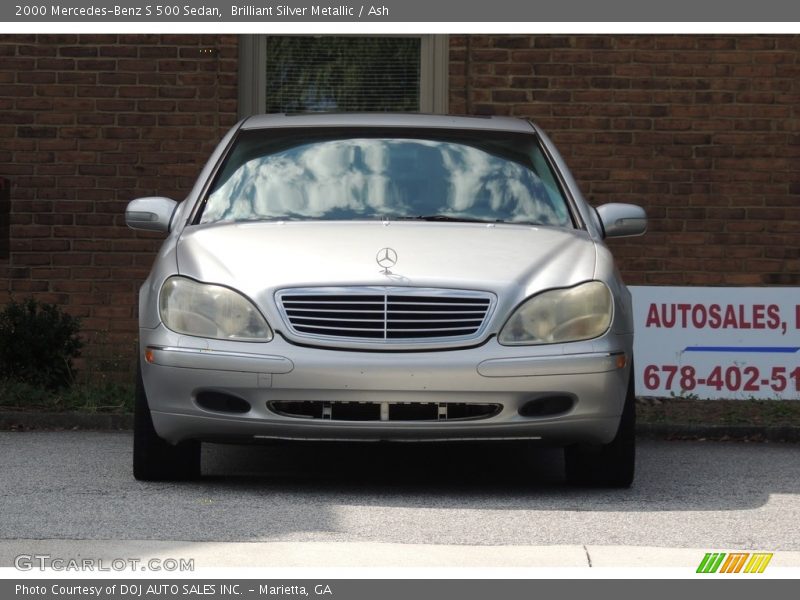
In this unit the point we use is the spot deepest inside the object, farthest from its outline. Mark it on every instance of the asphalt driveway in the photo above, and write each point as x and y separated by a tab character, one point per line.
78	485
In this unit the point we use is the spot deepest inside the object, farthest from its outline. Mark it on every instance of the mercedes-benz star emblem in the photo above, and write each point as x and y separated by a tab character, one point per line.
386	258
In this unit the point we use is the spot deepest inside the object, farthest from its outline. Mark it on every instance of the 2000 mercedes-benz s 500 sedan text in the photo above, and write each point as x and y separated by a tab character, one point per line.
385	277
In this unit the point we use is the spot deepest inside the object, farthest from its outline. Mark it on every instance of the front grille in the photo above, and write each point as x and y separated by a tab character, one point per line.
383	411
385	314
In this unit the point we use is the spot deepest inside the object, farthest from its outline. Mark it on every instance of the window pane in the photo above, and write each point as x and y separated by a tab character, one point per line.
306	74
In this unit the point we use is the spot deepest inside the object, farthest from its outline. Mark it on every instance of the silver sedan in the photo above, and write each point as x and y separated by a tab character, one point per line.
385	277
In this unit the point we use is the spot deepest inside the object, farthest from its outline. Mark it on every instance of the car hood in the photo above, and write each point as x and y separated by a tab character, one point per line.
509	260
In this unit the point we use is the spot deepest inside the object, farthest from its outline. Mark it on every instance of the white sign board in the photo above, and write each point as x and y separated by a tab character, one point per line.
715	342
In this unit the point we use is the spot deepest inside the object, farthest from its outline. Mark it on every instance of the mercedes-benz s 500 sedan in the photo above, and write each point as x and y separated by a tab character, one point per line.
385	277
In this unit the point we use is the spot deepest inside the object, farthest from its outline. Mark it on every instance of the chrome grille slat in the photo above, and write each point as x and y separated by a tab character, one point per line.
301	318
385	315
339	328
333	310
477	321
433	314
442	304
381	327
336	320
326	302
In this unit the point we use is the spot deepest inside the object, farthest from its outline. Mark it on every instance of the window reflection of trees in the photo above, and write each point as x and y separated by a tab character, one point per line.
368	178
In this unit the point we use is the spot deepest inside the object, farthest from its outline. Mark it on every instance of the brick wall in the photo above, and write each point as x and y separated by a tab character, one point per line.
88	122
703	131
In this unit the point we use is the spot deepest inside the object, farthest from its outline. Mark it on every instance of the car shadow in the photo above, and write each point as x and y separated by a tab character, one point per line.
430	466
508	475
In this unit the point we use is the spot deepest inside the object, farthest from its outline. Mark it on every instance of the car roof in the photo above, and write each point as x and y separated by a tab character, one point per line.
377	119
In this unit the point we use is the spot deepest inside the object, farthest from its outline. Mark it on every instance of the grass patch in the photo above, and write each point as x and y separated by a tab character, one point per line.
682	411
103	397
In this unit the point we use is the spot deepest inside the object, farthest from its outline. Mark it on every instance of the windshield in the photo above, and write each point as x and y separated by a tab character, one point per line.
351	174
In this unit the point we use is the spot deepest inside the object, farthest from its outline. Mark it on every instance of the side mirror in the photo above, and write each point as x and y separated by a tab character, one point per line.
150	214
621	220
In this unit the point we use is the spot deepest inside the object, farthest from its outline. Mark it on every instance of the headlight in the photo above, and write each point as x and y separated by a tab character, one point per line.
210	311
566	315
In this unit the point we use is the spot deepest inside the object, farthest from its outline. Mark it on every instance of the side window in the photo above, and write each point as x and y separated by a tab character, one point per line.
343	74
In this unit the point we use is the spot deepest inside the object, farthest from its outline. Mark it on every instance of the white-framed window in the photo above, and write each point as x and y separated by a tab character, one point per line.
300	73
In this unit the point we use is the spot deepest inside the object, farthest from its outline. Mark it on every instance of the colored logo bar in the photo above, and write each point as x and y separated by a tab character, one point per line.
735	562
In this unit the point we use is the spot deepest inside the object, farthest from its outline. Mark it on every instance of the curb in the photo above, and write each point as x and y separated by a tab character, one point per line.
29	421
60	421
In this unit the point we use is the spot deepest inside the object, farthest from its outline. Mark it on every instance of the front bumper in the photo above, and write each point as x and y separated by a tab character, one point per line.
176	369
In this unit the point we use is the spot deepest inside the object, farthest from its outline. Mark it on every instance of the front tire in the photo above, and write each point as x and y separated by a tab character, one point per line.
607	465
154	459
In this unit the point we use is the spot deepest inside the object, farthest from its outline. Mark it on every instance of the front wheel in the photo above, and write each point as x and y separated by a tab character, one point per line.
154	459
607	465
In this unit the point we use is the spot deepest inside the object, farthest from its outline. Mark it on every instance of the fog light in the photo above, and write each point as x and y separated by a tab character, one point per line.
546	406
222	402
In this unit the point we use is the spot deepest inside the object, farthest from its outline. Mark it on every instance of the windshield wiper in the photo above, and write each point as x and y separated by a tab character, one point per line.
444	219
